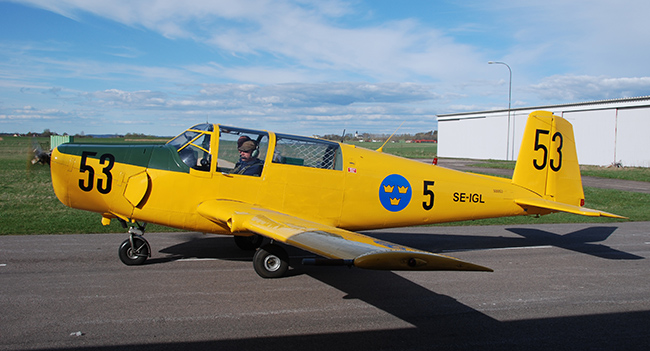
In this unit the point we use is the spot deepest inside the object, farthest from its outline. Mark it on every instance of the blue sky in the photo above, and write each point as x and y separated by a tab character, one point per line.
307	67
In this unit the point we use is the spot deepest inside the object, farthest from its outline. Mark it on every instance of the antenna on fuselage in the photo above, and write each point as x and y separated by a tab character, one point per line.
381	149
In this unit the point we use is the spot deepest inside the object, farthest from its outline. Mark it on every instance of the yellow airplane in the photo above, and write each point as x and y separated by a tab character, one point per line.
267	188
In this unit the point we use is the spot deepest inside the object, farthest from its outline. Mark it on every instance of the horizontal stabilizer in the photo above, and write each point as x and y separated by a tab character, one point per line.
558	206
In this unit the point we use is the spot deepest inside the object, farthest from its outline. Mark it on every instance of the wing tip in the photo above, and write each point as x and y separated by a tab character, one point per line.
414	261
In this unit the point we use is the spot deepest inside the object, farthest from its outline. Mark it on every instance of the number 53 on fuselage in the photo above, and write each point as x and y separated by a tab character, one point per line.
310	193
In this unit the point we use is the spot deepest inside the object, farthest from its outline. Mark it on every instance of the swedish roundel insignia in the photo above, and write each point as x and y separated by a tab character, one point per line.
395	193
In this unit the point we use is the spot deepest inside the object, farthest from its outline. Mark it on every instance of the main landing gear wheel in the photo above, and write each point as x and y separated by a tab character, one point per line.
134	251
248	243
271	261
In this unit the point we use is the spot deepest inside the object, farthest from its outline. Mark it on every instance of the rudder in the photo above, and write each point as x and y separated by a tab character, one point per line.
548	162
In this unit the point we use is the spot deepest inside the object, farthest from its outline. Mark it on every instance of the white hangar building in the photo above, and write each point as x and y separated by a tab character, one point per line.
606	132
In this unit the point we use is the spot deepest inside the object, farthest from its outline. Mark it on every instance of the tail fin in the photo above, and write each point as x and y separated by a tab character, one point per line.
548	166
548	162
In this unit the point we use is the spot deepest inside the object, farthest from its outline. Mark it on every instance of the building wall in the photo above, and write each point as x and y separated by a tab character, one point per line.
633	137
605	132
462	136
595	135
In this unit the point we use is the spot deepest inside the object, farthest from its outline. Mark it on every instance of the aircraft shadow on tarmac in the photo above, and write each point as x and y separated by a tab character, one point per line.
436	321
586	241
200	246
582	241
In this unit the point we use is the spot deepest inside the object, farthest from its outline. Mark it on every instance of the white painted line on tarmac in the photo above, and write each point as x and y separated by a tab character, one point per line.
196	259
523	247
504	248
3	265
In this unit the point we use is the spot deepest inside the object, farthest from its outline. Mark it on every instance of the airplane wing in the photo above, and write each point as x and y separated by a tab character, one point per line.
328	241
558	206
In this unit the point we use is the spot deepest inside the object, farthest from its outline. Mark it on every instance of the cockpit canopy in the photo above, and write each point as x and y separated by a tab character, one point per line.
195	148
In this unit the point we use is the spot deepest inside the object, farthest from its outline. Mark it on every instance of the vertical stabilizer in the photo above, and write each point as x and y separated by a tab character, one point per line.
548	161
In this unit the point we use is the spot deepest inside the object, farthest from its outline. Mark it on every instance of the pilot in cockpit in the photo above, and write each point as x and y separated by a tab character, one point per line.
248	163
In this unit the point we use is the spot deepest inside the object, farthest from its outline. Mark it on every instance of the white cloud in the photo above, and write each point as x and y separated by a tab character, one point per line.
292	108
324	64
586	88
593	37
303	33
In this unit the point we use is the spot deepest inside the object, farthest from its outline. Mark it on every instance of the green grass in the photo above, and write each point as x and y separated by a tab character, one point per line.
494	164
28	204
408	150
640	174
627	173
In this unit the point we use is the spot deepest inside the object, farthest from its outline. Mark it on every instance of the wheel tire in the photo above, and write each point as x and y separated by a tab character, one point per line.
131	257
271	261
248	243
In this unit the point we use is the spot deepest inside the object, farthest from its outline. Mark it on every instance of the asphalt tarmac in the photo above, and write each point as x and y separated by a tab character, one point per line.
554	287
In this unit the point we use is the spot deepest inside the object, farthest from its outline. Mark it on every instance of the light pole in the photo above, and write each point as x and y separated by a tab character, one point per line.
509	104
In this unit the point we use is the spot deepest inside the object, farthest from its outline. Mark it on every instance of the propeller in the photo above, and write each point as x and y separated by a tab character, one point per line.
40	156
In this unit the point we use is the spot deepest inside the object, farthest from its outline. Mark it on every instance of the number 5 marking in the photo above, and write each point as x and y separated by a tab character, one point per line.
83	167
428	192
539	146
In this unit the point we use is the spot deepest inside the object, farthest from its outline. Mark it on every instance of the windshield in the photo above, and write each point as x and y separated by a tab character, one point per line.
193	146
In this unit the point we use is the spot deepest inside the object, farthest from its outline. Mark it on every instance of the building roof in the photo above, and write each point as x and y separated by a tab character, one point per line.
641	101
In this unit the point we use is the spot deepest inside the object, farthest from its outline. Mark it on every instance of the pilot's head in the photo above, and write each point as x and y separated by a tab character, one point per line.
246	150
242	139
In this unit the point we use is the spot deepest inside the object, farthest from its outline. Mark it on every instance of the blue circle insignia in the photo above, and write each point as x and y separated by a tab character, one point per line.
395	193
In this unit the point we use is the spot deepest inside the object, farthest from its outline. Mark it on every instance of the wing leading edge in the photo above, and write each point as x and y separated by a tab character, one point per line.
328	241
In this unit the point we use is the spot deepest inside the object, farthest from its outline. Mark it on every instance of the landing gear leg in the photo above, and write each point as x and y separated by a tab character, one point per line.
249	243
271	261
135	250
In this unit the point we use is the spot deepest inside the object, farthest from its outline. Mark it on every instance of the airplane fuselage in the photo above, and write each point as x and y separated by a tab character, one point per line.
361	189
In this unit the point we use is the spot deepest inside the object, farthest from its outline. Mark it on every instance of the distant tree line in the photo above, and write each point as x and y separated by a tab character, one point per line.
367	137
47	133
348	137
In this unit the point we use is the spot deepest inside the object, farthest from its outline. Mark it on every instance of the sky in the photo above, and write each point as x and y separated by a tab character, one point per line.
307	66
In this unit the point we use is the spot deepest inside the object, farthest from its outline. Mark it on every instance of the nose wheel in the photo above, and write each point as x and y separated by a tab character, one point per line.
135	250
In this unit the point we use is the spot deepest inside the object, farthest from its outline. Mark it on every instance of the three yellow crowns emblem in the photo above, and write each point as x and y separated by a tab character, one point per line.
400	189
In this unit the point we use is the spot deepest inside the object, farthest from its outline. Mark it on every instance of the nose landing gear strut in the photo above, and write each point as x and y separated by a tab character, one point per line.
134	250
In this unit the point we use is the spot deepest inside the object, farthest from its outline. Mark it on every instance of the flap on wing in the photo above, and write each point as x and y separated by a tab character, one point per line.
558	206
328	241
